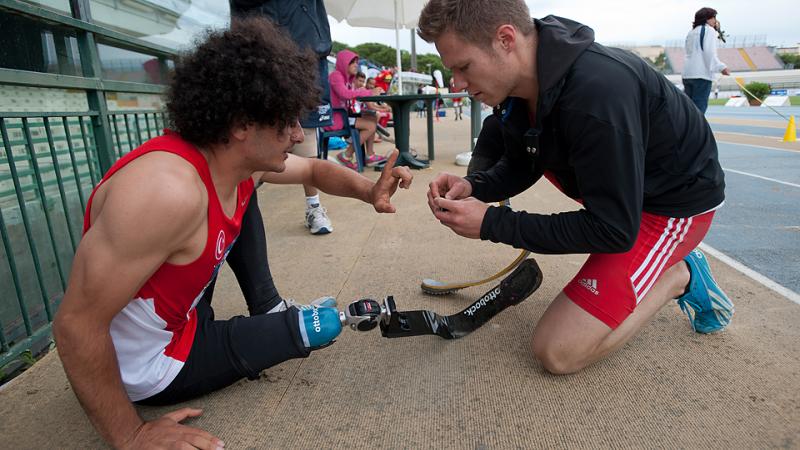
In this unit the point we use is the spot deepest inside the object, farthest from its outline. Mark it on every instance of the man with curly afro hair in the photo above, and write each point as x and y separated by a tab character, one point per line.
136	323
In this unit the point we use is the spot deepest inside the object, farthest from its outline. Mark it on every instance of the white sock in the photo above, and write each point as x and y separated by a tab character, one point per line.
312	202
281	306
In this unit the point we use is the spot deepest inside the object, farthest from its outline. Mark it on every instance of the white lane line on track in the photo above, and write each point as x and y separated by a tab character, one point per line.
759	176
790	295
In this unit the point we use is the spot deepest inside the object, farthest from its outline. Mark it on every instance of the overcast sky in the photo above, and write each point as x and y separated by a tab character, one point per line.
632	22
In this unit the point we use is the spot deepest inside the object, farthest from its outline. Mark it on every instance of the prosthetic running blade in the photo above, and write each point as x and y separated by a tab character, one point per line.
526	278
436	287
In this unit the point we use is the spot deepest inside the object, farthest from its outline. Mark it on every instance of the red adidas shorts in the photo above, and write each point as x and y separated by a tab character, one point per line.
609	286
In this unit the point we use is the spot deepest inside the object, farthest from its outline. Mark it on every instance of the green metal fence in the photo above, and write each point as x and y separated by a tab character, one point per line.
49	163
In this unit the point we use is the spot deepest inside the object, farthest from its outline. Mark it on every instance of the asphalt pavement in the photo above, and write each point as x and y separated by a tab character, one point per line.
759	225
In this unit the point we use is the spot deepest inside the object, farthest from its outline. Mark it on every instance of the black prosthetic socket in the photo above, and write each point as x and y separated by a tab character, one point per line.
512	290
248	260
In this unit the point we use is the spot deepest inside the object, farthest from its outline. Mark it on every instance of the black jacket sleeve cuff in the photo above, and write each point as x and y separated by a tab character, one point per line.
475	191
491	217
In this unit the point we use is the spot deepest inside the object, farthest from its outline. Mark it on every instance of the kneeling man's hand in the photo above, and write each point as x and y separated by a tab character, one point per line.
449	186
462	216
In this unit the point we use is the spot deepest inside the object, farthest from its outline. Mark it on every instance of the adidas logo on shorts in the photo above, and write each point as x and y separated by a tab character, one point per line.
589	284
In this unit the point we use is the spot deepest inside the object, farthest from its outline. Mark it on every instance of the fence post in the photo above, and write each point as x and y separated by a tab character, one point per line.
90	64
475	120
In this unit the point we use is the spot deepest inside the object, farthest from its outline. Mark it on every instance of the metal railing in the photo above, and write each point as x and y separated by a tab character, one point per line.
49	163
48	166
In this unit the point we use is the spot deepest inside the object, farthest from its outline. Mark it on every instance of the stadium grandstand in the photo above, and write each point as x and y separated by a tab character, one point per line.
749	59
740	54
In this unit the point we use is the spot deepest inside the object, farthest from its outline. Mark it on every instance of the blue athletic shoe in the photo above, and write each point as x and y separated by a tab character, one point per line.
711	307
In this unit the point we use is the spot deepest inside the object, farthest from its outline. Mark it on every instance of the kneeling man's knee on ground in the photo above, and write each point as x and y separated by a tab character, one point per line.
567	337
555	356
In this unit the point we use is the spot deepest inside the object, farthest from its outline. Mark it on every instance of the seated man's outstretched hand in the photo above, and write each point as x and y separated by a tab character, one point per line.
385	187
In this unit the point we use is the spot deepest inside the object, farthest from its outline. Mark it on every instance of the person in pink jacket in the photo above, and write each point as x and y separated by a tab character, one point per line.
342	82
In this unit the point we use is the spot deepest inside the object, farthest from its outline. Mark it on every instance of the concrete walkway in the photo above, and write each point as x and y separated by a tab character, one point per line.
668	388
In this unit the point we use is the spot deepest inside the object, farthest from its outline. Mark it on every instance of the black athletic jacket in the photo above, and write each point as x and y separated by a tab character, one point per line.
614	132
305	20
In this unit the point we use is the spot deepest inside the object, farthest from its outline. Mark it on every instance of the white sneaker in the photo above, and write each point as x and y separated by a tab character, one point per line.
317	220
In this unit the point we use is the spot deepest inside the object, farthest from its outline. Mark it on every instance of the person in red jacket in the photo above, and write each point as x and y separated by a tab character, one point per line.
384	110
384	79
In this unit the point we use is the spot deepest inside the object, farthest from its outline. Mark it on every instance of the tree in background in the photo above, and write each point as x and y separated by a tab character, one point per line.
661	62
790	60
337	47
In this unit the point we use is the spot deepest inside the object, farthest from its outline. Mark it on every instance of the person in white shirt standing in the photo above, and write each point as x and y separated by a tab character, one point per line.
702	63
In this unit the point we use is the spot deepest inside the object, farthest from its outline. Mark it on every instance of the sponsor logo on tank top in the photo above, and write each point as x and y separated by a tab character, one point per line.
219	250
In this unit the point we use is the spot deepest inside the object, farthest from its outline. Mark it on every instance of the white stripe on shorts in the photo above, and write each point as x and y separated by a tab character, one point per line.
653	251
686	229
650	269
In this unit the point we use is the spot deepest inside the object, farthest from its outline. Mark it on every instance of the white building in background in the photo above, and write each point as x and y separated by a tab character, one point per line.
790	50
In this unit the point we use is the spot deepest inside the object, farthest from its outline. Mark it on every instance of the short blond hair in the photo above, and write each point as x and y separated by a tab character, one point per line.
474	20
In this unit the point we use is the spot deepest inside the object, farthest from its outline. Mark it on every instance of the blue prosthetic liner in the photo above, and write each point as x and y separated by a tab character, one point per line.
319	326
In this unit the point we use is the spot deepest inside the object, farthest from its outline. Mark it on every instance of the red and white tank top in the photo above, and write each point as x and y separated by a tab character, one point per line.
153	334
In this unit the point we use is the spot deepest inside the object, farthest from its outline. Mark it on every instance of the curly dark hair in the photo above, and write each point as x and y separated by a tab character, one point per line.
250	73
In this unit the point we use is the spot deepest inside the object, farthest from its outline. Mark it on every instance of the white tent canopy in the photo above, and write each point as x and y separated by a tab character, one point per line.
376	13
